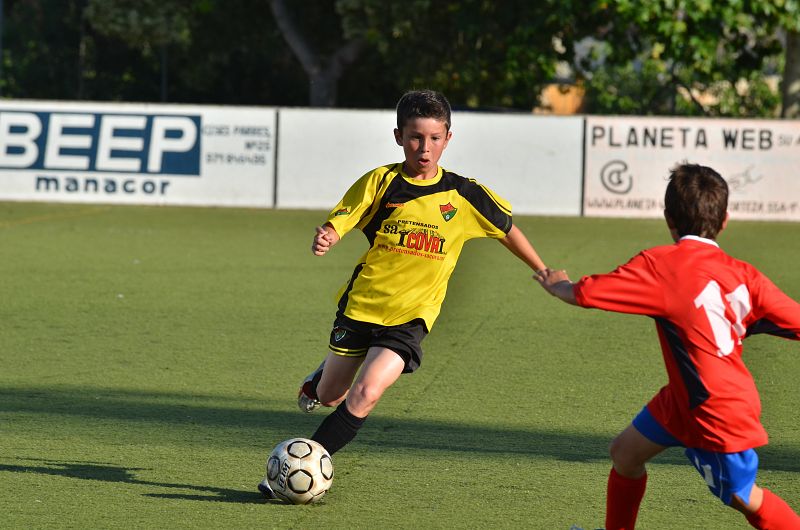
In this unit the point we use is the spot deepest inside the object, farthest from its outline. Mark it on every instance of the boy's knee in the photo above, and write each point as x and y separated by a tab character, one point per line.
616	457
623	460
362	399
614	450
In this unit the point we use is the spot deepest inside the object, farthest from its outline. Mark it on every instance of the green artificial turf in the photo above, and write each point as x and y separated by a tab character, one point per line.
150	358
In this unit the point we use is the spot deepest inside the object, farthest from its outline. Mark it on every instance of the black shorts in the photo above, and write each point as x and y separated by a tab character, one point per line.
352	338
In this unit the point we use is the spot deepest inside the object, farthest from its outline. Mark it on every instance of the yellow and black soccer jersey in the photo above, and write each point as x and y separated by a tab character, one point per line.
416	230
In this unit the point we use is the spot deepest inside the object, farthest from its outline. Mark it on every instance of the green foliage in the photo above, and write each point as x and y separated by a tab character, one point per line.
146	24
630	88
749	96
37	67
220	52
698	46
481	54
646	57
237	56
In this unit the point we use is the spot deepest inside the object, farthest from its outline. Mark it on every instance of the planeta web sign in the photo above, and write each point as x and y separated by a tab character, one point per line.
628	160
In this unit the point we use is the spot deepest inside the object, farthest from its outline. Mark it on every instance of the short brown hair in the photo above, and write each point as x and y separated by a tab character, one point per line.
423	104
696	200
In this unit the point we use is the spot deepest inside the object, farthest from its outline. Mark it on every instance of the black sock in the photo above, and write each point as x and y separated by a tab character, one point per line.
338	429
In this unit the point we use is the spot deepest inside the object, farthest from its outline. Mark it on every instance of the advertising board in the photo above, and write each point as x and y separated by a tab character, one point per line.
628	161
136	154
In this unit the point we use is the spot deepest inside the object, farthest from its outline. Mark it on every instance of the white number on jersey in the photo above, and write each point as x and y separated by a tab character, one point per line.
712	303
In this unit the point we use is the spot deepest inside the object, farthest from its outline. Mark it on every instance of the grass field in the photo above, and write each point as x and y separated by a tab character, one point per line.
149	359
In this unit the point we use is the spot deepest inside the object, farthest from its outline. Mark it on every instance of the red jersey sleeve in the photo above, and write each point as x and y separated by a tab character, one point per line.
630	288
774	312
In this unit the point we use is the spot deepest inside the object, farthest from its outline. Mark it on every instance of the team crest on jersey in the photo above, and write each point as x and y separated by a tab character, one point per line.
342	211
338	334
448	211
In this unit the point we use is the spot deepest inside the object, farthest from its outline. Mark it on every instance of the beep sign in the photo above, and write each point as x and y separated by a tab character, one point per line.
136	154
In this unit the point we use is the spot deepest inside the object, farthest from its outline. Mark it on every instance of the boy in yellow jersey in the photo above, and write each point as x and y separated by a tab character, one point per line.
417	217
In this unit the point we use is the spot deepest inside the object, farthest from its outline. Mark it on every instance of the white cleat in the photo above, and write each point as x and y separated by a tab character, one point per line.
265	490
307	397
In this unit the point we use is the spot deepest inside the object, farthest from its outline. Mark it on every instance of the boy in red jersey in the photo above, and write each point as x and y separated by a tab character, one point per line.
704	303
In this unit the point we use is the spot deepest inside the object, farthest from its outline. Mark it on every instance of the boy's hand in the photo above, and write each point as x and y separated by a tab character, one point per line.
550	277
324	239
557	283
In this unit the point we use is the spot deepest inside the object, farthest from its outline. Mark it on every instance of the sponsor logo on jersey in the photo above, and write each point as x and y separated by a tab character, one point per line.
428	241
342	211
338	334
448	211
395	204
414	238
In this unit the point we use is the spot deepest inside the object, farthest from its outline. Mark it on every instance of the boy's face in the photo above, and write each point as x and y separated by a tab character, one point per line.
423	141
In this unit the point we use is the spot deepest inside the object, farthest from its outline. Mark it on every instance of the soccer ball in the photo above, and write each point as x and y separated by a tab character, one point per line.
299	471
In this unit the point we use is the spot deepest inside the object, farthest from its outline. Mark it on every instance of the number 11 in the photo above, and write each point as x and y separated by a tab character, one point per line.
711	301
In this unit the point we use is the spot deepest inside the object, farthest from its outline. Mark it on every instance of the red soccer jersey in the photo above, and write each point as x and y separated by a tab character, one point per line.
704	303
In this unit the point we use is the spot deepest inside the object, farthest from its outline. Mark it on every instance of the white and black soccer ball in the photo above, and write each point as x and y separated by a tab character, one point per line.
299	471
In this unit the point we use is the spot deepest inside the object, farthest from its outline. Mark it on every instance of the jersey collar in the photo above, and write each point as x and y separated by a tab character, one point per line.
701	239
429	182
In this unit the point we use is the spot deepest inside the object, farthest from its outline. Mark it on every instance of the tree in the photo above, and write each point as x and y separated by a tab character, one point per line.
323	69
685	57
237	56
218	51
36	67
695	57
481	54
151	26
790	85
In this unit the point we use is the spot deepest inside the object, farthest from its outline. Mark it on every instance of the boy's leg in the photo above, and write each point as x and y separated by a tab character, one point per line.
380	370
329	383
327	387
766	510
338	372
336	378
732	477
627	480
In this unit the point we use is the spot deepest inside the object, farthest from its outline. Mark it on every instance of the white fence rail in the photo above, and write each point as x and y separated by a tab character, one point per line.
306	158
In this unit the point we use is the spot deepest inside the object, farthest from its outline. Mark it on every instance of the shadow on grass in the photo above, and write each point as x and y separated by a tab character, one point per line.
105	472
242	422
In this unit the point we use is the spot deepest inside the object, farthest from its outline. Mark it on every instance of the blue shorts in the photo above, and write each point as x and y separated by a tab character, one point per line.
725	474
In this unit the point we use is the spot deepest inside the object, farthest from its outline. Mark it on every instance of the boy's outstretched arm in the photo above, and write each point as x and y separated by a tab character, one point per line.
558	284
518	244
324	239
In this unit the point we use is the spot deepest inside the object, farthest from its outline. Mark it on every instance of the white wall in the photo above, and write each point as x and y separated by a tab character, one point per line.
321	152
535	162
227	156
